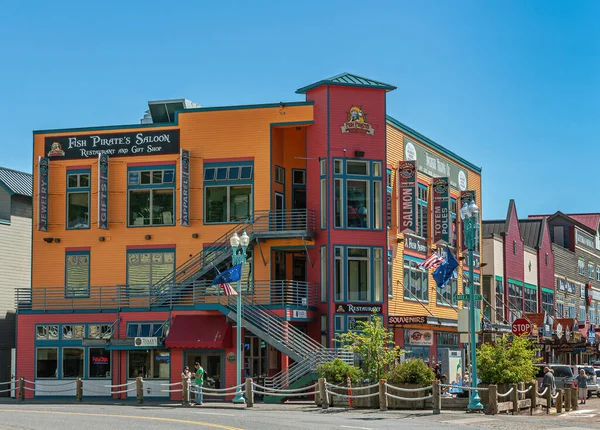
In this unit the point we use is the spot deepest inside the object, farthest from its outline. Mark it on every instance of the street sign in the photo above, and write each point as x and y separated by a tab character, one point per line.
467	297
521	327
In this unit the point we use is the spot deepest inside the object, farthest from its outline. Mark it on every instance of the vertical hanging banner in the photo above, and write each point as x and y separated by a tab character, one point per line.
184	190
407	199
103	191
465	197
441	210
43	164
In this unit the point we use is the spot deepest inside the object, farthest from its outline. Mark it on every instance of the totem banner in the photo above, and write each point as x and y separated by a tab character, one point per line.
407	198
441	210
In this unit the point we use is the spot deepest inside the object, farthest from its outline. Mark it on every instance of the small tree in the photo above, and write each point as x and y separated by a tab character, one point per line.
412	371
374	343
337	370
507	361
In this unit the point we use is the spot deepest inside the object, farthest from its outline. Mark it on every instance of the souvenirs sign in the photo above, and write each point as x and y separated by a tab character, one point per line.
357	122
103	191
113	144
43	193
397	319
407	174
441	210
185	187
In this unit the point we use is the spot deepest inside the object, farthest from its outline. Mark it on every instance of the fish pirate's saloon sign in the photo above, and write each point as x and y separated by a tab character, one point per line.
357	122
112	144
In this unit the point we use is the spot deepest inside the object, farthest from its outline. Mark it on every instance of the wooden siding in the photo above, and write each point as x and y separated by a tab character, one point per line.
530	273
493	254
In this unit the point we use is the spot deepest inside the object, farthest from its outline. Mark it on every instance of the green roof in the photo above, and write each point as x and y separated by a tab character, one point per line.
348	80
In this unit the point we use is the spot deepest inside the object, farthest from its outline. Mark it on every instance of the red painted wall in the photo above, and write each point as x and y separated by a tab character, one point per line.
545	272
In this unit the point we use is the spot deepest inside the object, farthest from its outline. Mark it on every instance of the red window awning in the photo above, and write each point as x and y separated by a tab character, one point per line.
199	332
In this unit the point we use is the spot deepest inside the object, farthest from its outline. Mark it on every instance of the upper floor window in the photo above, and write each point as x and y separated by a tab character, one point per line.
515	247
279	175
78	199
423	211
146	267
151	196
581	267
598	273
416	283
227	192
77	274
298	177
546	258
591	270
359	276
147	329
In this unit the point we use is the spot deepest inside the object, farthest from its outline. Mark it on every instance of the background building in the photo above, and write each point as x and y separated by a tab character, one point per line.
15	255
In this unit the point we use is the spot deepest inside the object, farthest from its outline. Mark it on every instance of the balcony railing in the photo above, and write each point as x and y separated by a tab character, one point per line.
287	293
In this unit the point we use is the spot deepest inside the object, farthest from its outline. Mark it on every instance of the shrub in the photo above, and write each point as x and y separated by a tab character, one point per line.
507	361
335	372
412	371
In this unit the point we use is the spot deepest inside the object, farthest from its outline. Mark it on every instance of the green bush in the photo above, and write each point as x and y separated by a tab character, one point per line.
335	372
411	371
507	361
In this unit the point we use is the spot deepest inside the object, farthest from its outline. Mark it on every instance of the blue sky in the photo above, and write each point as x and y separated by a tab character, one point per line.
513	86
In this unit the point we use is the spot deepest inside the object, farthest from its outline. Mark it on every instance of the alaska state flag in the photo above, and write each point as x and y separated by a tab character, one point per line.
224	279
445	270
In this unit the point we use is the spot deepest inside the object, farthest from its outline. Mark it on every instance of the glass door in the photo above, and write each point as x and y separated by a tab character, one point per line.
211	362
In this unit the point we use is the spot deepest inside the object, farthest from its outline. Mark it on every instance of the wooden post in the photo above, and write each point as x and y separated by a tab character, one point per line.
21	389
249	393
515	398
323	392
574	399
185	391
492	407
567	398
437	398
548	400
139	389
78	389
533	395
383	405
559	400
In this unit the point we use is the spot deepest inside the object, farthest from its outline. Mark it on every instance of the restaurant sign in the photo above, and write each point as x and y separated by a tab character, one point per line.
358	308
434	165
113	144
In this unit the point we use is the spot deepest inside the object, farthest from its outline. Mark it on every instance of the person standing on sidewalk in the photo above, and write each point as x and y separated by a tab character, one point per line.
198	382
582	386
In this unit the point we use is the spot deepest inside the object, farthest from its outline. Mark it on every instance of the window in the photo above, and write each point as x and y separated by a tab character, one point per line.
323	203
46	363
357	168
77	274
467	289
515	300
338	203
546	258
99	363
447	296
548	302
46	332
146	267
377	169
339	273
323	166
423	211
560	306
358	274
358	201
597	273
582	313
499	300
515	247
78	200
147	329
100	331
530	300
593	314
149	364
581	266
279	175
229	198
377	205
72	332
571	308
151	197
72	359
416	284
299	177
337	167
591	270
390	272
324	282
353	322
378	274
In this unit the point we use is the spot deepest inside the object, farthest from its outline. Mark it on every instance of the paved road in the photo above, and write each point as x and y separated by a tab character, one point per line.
265	417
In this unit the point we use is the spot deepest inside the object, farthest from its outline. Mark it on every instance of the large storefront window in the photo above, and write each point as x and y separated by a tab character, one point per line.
78	199
228	192
358	191
414	351
72	359
149	364
416	284
515	300
358	274
530	299
99	363
147	267
548	301
77	274
46	363
151	196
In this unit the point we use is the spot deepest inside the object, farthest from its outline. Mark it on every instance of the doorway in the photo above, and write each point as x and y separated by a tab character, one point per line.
211	362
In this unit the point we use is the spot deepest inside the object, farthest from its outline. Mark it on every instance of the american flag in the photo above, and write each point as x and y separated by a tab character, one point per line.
432	262
228	290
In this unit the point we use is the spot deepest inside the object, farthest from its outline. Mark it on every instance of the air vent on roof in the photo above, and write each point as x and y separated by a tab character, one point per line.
163	111
147	119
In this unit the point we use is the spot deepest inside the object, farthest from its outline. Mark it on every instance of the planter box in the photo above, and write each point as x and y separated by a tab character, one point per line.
342	402
407	404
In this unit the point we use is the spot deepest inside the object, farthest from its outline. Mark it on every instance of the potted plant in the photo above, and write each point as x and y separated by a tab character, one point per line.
336	372
412	373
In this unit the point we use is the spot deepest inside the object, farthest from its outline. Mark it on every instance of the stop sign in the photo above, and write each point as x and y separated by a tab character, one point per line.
521	327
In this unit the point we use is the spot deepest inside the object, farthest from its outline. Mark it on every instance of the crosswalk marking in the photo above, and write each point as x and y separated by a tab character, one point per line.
469	420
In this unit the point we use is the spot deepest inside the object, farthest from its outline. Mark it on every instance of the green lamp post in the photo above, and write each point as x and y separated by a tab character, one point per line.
238	256
469	213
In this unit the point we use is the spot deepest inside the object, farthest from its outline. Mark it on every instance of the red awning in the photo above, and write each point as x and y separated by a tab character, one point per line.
199	332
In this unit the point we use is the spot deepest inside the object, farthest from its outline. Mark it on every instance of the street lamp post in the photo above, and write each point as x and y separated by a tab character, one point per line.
469	213
238	256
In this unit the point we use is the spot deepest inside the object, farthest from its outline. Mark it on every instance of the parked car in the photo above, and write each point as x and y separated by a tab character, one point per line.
563	374
590	372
